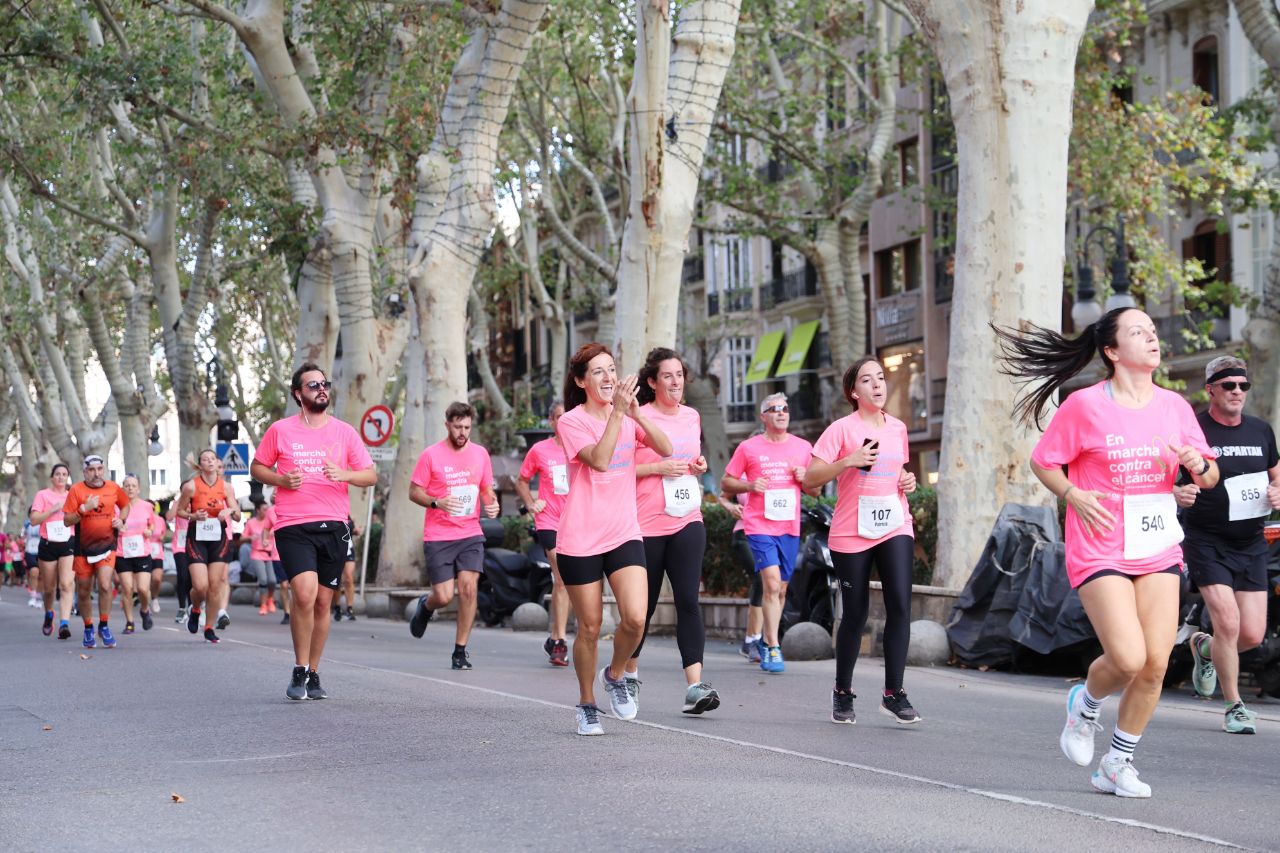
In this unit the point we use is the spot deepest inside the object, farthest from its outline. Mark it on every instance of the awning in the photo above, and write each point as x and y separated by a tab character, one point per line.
797	348
762	362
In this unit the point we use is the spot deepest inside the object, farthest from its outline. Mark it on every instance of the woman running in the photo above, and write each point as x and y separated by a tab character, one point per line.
159	528
1121	442
599	534
282	579
56	550
133	561
203	501
865	453
182	583
669	501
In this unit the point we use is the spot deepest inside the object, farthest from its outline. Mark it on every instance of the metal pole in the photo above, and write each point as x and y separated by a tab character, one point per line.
364	557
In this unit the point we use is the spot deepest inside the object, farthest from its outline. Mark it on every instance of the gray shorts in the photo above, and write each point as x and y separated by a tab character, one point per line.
445	559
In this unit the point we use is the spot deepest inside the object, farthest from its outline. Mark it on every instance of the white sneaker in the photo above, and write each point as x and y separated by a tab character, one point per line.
31	602
1077	735
155	605
589	720
1118	776
620	701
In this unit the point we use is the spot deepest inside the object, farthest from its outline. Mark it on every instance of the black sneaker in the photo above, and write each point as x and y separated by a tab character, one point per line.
64	631
193	621
210	636
842	707
897	706
147	621
461	660
285	620
337	613
224	621
421	616
351	617
549	646
297	684
314	690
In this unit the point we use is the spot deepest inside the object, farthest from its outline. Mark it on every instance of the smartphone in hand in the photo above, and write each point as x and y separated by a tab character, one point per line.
865	442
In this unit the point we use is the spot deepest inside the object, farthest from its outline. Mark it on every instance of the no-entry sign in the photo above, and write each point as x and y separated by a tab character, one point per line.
375	426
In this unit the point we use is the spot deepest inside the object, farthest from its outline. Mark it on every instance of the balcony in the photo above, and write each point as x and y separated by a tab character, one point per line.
691	269
798	284
1171	329
737	299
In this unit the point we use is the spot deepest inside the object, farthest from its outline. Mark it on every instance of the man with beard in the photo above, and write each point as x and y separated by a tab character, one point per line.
311	459
91	508
448	480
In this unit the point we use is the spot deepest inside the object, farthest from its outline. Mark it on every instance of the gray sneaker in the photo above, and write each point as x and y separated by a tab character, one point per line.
700	698
1239	720
589	720
633	688
1204	678
298	683
620	701
314	690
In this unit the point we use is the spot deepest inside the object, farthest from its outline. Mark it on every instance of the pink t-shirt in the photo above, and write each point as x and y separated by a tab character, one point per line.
291	445
158	530
444	472
180	526
137	524
840	439
253	532
684	428
47	499
542	460
1121	452
600	512
269	522
759	457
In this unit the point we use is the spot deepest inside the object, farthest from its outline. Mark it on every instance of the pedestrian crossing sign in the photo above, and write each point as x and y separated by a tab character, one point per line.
235	457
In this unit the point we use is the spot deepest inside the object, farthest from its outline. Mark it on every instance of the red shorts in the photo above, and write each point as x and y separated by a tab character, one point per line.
84	569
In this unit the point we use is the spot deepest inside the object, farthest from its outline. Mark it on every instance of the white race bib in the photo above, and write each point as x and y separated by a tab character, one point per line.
560	479
132	546
682	495
1150	525
57	531
180	540
781	505
1248	496
878	515
209	530
466	496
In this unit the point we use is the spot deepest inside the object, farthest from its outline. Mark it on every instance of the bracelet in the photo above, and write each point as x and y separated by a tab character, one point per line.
1205	469
1068	491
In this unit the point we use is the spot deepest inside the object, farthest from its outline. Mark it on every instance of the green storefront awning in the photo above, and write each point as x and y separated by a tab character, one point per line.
762	362
797	348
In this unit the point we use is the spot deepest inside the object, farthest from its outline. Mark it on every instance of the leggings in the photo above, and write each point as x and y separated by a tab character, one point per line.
742	552
183	586
893	561
680	556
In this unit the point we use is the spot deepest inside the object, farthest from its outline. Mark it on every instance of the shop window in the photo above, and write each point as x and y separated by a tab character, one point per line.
904	373
741	399
909	163
898	269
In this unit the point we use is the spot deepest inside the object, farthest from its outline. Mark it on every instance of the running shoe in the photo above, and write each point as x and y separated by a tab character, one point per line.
620	701
108	641
460	659
75	609
745	649
633	683
337	613
1239	720
758	651
32	602
771	660
842	707
89	641
262	608
193	621
147	621
589	720
700	698
64	631
297	684
180	616
1204	678
560	654
351	616
128	628
314	690
549	646
155	605
1118	776
1078	733
224	621
285	620
47	628
271	604
421	616
897	706
210	636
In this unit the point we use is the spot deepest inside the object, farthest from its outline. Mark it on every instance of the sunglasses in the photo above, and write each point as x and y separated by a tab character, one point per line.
1231	386
782	410
316	386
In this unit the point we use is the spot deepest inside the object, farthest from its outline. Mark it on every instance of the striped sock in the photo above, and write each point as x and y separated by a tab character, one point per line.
1122	745
1090	706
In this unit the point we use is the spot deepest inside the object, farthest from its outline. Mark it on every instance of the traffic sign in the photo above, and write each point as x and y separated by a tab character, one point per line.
375	426
382	454
235	457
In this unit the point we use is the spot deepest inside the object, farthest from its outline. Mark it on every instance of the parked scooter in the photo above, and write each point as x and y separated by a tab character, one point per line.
510	578
814	592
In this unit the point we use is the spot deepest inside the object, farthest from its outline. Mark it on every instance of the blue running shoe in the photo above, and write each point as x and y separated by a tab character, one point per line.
758	651
107	639
89	641
772	661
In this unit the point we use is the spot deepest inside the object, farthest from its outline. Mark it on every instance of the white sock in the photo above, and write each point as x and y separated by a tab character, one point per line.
635	673
751	638
1122	745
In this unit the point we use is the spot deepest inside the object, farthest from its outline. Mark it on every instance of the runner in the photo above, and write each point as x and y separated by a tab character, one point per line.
182	583
752	647
282	580
203	501
770	470
133	561
310	459
1121	441
56	550
599	534
546	461
255	533
668	502
348	582
453	480
31	559
1225	549
158	531
865	453
91	507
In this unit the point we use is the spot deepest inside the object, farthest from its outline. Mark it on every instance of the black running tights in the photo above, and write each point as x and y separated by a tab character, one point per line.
183	586
680	557
892	559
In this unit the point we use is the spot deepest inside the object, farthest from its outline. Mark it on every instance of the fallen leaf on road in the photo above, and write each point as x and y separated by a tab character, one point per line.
84	657
177	798
48	728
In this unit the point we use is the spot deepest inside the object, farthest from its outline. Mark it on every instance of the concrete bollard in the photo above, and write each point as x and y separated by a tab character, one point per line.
806	641
529	617
377	605
244	595
929	645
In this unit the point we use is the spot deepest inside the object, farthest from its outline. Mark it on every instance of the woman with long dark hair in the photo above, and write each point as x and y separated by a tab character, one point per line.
56	550
1112	452
599	534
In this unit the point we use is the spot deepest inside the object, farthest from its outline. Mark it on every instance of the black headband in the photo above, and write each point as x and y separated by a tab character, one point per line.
1224	373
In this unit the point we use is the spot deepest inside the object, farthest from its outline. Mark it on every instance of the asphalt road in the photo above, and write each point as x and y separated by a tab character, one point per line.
410	755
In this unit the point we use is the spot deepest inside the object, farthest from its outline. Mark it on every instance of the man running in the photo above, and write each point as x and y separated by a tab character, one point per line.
91	507
1225	550
453	480
310	459
770	469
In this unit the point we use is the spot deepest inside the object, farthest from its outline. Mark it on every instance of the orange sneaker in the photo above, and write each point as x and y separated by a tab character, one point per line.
271	605
262	609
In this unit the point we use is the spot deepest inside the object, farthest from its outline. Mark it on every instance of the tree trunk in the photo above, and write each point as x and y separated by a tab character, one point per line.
828	263
701	393
400	561
1009	67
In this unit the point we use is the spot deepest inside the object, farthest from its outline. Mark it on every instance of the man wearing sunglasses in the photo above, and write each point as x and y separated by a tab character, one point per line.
1225	550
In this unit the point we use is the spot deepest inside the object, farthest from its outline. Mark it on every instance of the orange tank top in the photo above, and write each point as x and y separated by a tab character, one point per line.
211	499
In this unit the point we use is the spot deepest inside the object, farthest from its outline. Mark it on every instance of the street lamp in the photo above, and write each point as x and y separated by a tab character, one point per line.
1086	309
155	448
228	427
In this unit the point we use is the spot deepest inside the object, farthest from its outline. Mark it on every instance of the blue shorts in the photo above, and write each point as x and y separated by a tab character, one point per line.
777	551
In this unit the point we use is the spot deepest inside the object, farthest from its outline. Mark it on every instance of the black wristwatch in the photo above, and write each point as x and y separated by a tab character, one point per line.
433	504
1205	469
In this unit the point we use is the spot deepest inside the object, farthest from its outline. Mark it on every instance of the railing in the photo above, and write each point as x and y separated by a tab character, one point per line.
740	413
1170	330
691	269
794	285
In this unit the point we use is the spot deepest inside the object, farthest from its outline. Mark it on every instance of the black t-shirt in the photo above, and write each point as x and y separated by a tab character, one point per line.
1245	449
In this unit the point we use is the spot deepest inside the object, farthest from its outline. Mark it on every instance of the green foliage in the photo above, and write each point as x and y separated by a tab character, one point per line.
724	572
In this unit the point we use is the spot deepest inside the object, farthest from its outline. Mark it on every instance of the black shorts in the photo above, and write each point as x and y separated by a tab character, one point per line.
1102	573
278	568
157	564
545	538
208	552
1239	565
133	564
51	552
19	568
446	558
33	560
577	571
316	546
